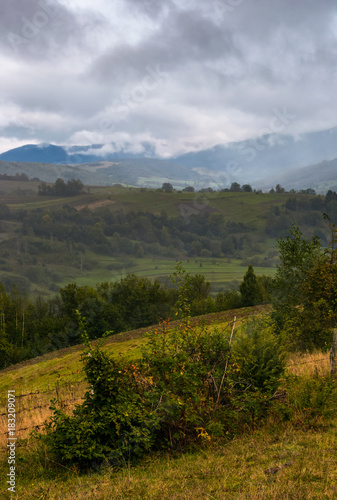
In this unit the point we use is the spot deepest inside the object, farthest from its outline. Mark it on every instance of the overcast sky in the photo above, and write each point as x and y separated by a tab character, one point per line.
181	74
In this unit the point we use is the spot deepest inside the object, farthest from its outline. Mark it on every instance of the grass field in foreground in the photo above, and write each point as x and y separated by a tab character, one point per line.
274	461
234	470
251	466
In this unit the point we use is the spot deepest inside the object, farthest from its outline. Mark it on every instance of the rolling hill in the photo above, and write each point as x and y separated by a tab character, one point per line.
320	176
137	172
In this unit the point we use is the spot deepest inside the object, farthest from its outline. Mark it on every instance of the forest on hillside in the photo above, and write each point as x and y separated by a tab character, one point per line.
37	240
302	292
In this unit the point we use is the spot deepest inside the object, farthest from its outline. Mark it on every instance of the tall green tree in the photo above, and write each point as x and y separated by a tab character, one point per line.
297	257
167	187
305	291
251	293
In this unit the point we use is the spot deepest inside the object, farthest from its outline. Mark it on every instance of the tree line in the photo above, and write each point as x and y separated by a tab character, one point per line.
16	177
29	328
61	188
138	233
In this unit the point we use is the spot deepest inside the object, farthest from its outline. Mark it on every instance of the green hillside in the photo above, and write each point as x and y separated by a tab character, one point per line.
134	172
107	232
238	403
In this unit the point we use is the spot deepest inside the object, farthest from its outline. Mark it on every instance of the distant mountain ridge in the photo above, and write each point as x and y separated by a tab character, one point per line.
320	176
62	155
259	161
260	157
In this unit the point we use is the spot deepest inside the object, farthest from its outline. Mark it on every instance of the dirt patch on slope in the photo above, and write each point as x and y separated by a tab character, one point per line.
96	204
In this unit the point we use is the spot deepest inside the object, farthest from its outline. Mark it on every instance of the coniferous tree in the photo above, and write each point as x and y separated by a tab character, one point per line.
250	289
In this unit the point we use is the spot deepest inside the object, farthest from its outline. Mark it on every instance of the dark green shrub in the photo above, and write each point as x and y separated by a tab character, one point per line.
225	301
188	365
259	354
312	401
115	422
168	399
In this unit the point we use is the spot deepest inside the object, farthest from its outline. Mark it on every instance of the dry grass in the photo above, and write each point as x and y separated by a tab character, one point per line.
236	470
32	410
309	364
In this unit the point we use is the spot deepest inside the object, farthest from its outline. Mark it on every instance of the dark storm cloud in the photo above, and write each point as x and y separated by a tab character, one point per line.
271	41
41	28
184	37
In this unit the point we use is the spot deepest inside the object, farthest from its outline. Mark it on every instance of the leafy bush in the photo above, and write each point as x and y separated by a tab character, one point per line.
129	408
113	423
188	387
188	365
306	329
184	389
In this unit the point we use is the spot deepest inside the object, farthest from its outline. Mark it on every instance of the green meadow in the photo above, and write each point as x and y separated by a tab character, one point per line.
219	272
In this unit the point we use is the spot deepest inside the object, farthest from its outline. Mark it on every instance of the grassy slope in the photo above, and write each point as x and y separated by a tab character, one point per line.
237	207
59	373
63	363
236	469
